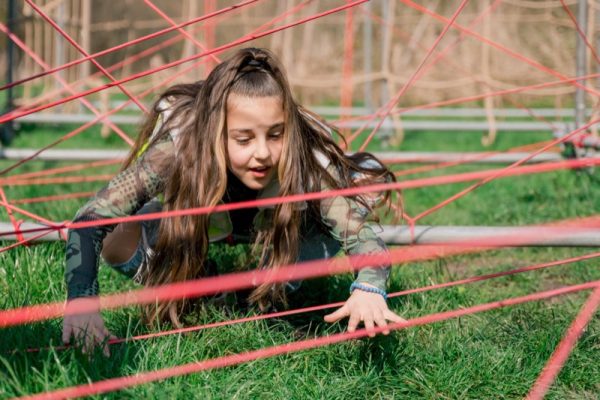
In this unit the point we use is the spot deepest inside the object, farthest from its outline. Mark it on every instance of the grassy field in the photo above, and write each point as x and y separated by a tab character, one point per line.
492	355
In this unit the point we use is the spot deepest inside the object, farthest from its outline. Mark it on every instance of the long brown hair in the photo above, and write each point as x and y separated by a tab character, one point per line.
198	175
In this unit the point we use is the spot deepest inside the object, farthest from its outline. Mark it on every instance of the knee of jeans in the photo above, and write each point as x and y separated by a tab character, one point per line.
130	266
116	255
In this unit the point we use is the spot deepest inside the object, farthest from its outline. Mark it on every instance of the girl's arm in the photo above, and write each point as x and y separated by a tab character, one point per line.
124	195
347	222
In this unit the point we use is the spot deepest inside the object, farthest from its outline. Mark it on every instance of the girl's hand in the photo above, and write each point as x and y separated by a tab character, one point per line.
88	329
370	308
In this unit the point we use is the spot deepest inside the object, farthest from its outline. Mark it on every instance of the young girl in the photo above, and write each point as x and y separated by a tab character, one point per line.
239	135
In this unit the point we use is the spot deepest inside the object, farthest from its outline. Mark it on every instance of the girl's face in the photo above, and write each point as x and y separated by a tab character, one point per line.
254	138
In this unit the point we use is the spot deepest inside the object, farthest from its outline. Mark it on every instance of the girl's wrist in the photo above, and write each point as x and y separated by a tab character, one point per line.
368	288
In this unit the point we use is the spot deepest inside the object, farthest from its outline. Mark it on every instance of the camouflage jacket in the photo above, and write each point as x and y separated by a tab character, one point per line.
128	191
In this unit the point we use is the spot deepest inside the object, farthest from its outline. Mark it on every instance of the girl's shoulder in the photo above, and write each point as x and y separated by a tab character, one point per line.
321	126
165	109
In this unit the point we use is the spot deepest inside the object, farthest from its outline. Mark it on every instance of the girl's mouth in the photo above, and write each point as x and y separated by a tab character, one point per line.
260	172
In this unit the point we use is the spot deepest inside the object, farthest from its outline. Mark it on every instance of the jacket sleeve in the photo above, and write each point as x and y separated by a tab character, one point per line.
348	223
126	193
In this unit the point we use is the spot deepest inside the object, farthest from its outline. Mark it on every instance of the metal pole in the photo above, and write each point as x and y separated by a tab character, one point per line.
582	16
368	56
7	132
492	236
386	133
594	128
390	157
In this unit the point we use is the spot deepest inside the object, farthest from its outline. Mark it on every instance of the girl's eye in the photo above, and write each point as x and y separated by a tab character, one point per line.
242	141
276	135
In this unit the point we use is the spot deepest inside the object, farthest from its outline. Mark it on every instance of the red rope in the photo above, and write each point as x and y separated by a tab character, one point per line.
498	46
442	54
466	160
16	224
416	183
92	122
25	242
303	310
472	98
192	39
446	51
301	271
151	90
11	116
153	50
409	184
86	80
503	171
44	199
580	31
70	168
512	53
150	51
30	215
56	180
570	339
45	66
130	43
416	75
235	359
562	351
69	39
209	30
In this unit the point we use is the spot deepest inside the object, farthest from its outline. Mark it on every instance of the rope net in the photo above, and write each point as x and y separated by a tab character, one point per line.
450	36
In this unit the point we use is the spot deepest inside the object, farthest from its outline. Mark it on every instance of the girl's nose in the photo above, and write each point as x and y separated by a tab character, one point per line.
261	151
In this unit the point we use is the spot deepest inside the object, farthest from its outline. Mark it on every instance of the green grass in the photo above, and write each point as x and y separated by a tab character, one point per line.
497	354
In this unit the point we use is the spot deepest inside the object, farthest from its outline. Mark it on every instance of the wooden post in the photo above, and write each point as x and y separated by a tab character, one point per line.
209	33
388	87
190	10
581	64
86	20
28	64
487	140
346	84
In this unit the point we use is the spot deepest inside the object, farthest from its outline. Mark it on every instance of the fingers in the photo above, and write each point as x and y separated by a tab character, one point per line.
66	334
369	312
101	338
391	316
381	322
353	321
372	317
108	337
106	334
88	335
92	338
86	342
368	321
338	314
106	350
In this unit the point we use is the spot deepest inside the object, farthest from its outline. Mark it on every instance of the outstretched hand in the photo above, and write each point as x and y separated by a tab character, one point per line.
87	329
366	307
